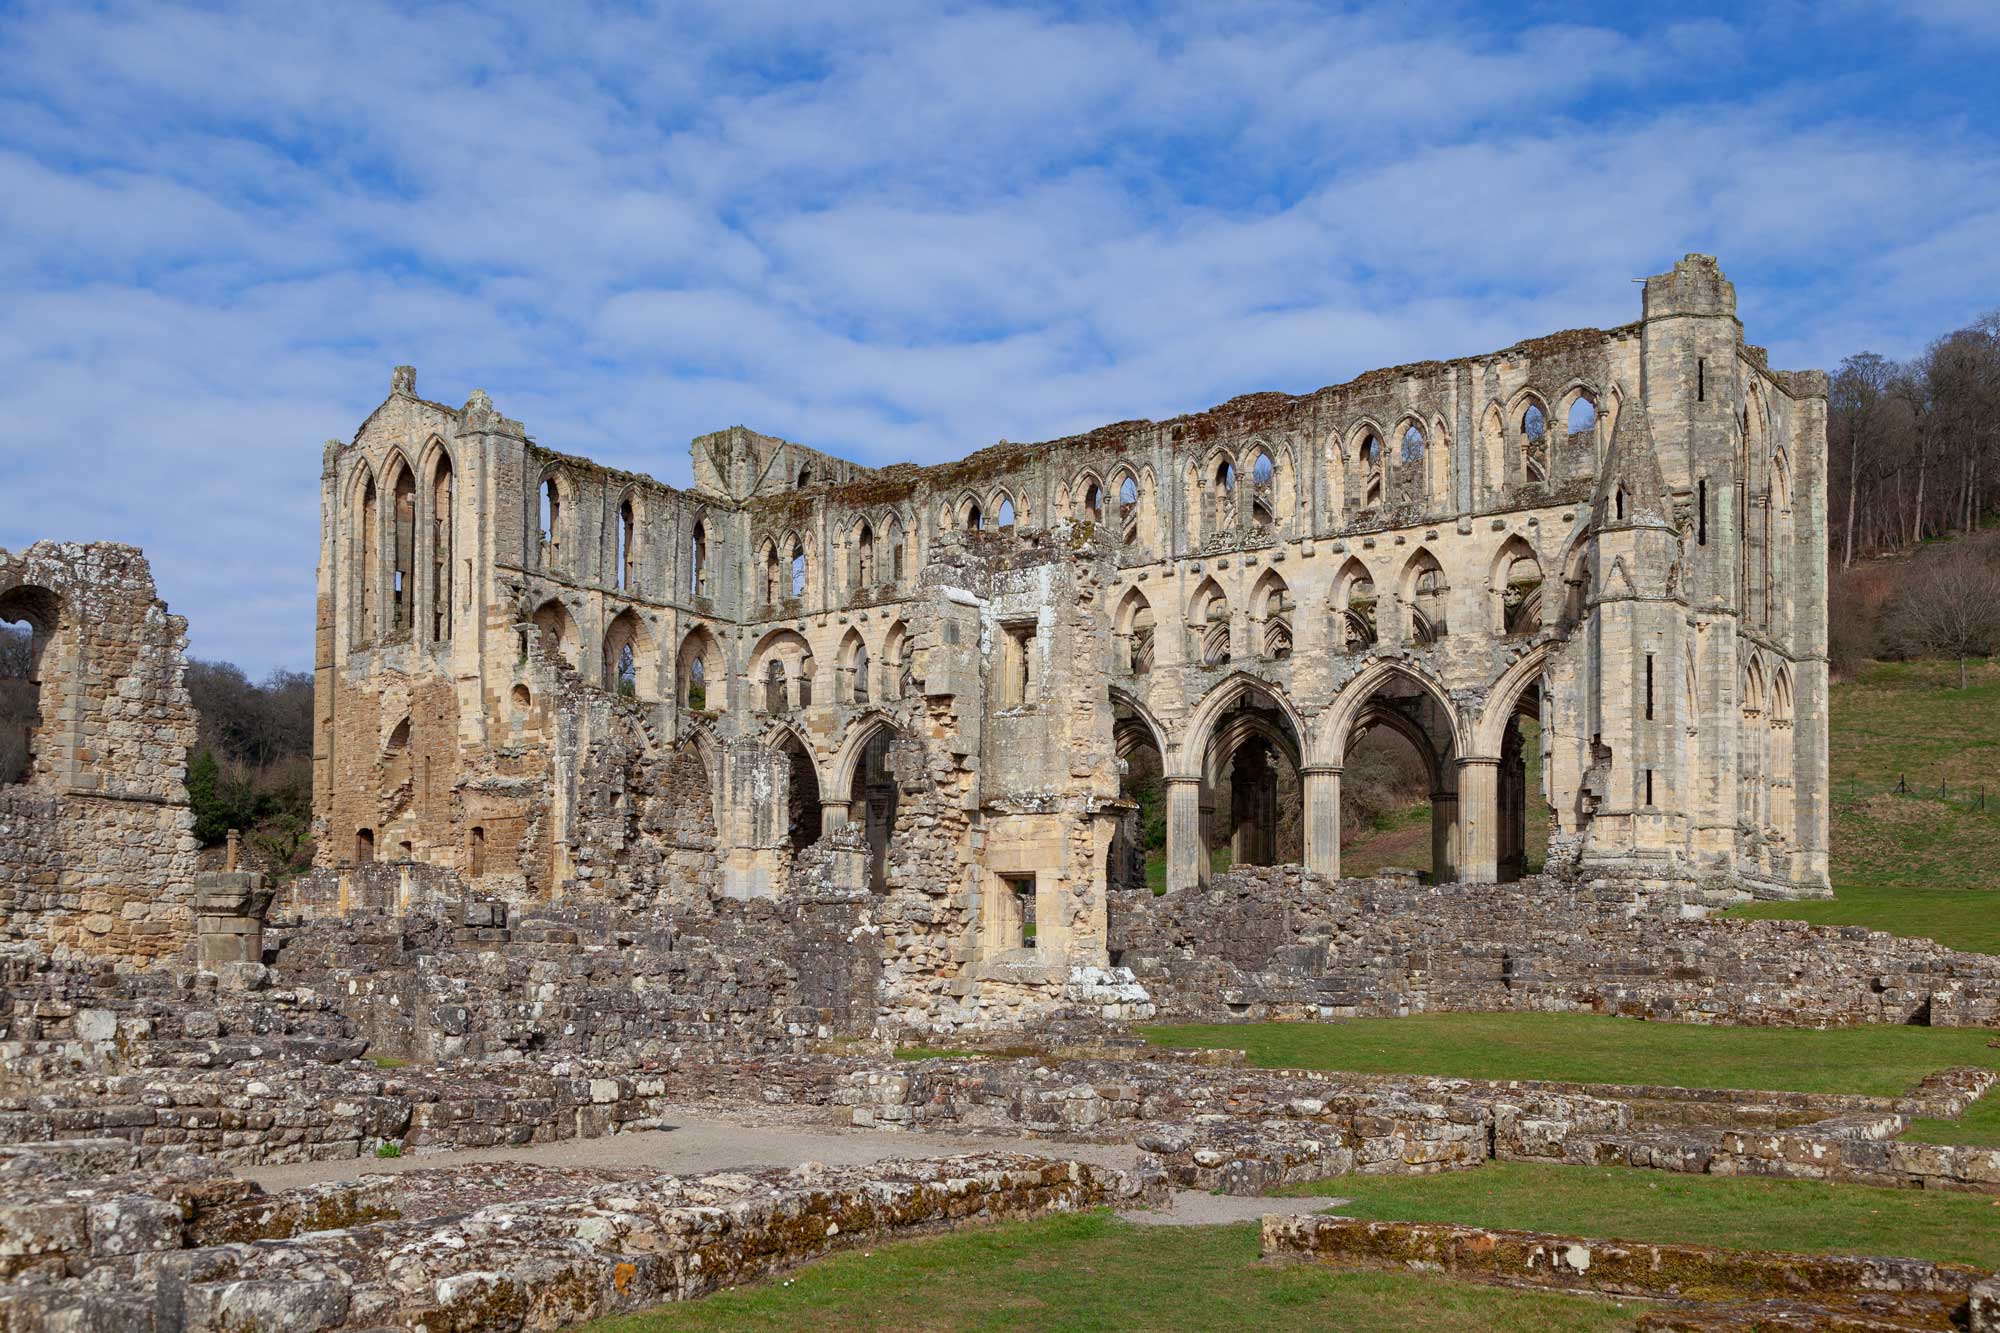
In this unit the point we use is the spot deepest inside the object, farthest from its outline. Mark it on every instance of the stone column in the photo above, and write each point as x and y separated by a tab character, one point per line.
1479	820
833	815
1321	783
1184	848
1444	837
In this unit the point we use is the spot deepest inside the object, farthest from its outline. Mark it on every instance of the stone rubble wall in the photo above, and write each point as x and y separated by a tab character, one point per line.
280	1111
1815	1290
1275	942
1249	1131
97	852
541	1263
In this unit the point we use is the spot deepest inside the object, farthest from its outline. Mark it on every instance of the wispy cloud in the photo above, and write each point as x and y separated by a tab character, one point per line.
896	230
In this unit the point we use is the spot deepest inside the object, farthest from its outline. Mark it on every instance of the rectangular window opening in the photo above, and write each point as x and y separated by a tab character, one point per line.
1649	786
1019	678
1022	887
1701	515
1700	380
1649	687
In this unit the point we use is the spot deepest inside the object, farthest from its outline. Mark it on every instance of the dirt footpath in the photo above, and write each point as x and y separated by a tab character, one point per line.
698	1144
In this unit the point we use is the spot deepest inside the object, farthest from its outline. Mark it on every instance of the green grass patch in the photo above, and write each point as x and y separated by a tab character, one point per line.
1624	1203
1586	1048
390	1062
1913	862
1092	1271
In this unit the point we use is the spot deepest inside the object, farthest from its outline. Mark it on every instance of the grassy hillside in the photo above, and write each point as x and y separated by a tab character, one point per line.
1915	861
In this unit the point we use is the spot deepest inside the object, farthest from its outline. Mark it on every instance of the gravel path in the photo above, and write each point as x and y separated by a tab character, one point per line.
696	1144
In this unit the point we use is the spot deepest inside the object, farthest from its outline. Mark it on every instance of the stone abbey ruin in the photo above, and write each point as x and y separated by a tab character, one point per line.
631	799
541	680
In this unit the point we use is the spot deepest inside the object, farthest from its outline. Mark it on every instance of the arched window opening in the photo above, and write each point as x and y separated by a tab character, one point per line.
1274	611
1582	416
697	689
864	557
625	646
1128	510
1135	633
1535	446
1225	476
475	852
802	801
974	520
441	530
369	552
1520	590
624	553
1424	591
896	664
805	476
851	670
557	631
1413	446
402	577
1263	471
698	672
27	619
1354	609
772	575
364	847
1215	646
774	687
1093	503
805	682
698	561
1618	504
896	556
1142	640
798	570
551	519
1006	515
872	800
1371	472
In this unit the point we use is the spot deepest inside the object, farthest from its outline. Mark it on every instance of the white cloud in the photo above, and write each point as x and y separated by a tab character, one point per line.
902	231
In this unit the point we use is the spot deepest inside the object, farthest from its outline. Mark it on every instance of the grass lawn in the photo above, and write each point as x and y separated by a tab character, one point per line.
1623	1203
1882	1061
1092	1271
1913	863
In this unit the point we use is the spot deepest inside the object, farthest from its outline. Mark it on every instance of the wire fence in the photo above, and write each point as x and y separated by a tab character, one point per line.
1968	795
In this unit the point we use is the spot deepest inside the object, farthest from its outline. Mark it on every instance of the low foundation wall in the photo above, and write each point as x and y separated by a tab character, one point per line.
1245	1131
1929	1294
281	1112
548	1263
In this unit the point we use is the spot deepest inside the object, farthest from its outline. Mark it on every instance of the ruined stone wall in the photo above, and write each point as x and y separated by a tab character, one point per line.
97	855
1280	943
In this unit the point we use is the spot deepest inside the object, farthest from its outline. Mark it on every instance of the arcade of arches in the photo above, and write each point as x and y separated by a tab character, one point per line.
980	699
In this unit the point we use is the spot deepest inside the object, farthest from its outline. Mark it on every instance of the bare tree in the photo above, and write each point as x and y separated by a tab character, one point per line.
1951	607
17	645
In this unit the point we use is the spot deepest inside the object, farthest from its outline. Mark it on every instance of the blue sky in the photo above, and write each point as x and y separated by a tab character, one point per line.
895	230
